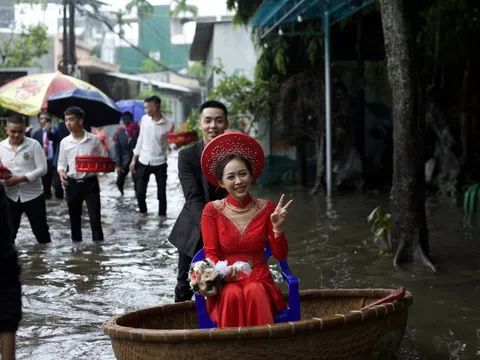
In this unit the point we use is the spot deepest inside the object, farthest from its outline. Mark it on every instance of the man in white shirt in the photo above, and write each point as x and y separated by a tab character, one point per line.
150	154
25	158
80	186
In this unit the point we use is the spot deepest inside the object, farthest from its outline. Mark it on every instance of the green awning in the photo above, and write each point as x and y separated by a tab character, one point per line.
274	13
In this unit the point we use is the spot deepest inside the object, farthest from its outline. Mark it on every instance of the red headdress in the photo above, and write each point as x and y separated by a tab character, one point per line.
233	143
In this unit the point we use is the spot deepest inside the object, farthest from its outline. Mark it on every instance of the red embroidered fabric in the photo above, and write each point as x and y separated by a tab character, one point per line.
241	236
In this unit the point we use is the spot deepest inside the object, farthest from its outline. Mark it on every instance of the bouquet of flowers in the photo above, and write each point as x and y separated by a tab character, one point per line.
206	277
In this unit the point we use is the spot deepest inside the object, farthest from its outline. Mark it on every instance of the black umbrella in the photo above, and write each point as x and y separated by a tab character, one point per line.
99	109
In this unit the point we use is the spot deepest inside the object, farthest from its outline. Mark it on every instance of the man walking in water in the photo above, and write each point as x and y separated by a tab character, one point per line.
150	155
25	158
80	186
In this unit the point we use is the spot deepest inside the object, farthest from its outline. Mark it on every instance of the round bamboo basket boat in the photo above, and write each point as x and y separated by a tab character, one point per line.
332	327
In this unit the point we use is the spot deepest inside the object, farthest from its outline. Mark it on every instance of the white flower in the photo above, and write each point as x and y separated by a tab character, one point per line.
209	274
202	285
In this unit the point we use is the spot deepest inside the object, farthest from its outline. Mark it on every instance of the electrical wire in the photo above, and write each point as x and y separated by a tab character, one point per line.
141	51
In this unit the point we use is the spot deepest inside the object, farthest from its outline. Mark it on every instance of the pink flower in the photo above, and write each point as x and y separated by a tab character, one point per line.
194	277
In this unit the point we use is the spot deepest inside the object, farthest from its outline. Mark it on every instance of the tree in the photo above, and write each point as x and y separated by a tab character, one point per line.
120	20
150	66
144	8
197	69
245	99
182	7
22	50
410	234
244	9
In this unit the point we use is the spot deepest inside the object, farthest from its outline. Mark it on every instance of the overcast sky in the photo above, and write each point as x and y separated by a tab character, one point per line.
205	7
32	15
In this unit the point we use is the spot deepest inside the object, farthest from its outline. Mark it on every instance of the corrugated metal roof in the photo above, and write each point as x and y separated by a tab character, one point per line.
274	13
159	84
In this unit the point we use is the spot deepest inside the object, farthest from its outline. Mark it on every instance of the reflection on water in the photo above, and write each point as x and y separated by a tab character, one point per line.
71	289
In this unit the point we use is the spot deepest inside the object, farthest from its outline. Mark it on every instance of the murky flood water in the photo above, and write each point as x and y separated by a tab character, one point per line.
70	290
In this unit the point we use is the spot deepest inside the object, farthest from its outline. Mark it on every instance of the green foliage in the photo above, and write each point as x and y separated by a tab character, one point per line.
182	6
246	100
144	8
191	124
23	50
381	227
313	43
471	204
3	133
455	22
165	108
197	69
120	20
244	9
281	58
149	66
44	3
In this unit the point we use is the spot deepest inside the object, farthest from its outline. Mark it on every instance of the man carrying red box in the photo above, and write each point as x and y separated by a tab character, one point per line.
80	186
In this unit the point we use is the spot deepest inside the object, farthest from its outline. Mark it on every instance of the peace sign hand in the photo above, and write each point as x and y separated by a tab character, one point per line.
280	214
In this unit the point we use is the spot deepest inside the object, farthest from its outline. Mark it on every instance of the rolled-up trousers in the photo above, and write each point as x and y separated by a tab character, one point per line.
79	191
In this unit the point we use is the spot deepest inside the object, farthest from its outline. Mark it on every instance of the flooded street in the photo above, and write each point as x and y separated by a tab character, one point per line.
70	290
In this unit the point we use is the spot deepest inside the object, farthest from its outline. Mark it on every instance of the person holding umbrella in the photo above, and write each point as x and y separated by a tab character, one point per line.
150	154
80	186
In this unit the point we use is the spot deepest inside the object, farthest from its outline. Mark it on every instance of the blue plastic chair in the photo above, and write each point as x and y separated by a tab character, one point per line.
291	313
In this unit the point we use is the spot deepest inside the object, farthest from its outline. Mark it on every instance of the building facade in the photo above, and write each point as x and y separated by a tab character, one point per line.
154	38
213	44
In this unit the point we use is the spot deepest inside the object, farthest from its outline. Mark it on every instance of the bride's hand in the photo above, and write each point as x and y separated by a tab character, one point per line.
232	274
280	214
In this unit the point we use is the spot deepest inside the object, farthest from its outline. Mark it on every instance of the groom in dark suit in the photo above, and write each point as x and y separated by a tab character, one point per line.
186	235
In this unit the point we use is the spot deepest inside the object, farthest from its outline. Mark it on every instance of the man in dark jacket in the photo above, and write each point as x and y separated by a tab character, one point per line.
186	235
48	139
125	139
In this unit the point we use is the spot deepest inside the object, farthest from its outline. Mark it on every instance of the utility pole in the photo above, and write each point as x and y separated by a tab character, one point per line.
65	41
71	38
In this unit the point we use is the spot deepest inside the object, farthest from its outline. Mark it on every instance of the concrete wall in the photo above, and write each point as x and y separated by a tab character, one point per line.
234	46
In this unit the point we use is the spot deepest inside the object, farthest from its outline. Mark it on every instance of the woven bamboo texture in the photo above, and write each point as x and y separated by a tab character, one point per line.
332	327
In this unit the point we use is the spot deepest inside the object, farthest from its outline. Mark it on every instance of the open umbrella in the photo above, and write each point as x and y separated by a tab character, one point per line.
136	107
28	95
99	109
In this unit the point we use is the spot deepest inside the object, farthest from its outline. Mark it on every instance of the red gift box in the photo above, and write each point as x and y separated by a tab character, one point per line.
94	164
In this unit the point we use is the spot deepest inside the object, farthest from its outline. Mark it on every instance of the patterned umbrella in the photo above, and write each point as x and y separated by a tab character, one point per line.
28	95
